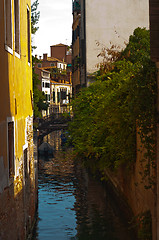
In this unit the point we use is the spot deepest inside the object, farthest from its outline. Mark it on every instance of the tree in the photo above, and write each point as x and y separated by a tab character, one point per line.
35	15
39	97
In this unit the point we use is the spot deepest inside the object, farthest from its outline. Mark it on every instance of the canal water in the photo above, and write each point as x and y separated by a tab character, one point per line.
72	204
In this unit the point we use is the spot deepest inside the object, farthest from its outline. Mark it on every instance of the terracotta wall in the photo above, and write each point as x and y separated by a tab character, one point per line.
59	52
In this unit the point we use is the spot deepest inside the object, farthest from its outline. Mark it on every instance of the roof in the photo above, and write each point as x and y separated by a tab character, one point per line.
42	69
59	45
58	83
47	67
53	59
50	59
45	70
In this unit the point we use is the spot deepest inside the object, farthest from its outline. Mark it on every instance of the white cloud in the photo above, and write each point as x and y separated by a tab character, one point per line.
55	25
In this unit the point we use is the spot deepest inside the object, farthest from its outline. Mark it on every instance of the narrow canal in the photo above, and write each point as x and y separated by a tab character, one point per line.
71	204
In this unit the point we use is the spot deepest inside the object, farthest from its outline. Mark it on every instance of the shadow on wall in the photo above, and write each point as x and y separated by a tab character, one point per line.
17	213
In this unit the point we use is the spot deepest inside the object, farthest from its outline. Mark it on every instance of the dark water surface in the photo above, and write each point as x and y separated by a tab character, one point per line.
72	205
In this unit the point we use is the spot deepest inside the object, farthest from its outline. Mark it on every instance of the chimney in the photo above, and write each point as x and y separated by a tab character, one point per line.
45	56
35	55
40	57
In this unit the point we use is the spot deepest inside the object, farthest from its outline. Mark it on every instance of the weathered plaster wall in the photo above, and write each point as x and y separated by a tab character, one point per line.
131	184
112	21
17	193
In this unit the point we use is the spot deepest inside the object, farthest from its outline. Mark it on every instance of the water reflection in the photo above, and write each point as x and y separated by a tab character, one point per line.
54	139
72	205
97	217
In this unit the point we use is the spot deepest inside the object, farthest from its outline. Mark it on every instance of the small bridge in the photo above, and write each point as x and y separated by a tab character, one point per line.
51	123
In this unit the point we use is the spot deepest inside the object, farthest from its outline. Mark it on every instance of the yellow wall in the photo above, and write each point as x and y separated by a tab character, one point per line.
16	83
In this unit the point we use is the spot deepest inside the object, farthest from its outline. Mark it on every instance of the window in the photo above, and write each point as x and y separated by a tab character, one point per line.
28	29
42	84
11	148
47	97
16	26
58	96
54	96
25	164
15	106
63	94
52	64
45	74
47	85
8	23
39	65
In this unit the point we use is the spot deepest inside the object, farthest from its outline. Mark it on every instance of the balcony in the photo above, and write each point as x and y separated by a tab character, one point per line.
76	6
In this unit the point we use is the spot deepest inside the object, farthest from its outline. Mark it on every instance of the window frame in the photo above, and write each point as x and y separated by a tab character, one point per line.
28	35
47	85
11	174
25	163
17	27
10	31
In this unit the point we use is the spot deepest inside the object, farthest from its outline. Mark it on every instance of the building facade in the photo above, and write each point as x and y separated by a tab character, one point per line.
44	77
154	47
102	22
60	97
60	71
17	171
76	77
61	52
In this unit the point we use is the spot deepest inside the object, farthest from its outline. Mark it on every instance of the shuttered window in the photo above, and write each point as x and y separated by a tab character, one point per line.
28	29
8	23
16	26
154	29
25	164
11	148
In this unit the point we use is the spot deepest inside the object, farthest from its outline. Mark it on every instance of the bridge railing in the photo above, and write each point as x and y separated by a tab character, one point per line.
53	118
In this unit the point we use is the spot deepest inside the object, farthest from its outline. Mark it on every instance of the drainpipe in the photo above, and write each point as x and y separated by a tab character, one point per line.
156	235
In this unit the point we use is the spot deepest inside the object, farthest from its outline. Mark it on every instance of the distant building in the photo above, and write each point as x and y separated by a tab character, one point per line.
60	97
44	77
60	78
18	190
51	62
61	52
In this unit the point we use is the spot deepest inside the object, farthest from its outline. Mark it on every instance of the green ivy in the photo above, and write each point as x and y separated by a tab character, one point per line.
108	113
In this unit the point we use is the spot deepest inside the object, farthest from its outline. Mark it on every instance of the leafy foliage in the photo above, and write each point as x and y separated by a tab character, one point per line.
121	101
39	96
35	15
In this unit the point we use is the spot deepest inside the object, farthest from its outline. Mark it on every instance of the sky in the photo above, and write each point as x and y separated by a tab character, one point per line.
55	25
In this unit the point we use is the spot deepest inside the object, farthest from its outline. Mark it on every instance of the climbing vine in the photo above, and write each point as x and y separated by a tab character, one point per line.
143	222
120	104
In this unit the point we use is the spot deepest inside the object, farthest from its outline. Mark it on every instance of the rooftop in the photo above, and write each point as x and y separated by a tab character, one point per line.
59	45
53	59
